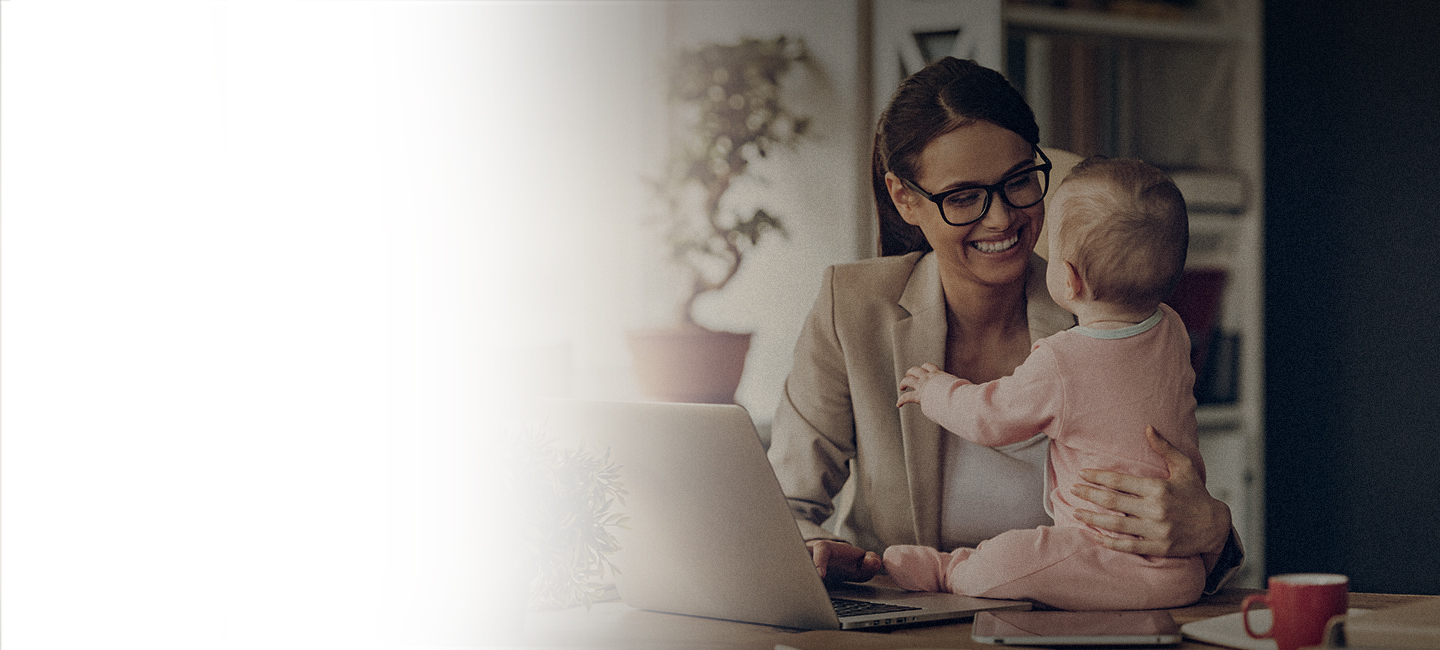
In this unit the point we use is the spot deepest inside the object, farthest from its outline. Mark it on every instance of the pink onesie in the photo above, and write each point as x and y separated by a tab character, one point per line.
1092	392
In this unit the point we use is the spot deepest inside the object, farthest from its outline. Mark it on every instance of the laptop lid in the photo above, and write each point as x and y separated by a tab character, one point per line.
710	533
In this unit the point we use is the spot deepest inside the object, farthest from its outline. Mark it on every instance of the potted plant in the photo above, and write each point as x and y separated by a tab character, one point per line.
727	101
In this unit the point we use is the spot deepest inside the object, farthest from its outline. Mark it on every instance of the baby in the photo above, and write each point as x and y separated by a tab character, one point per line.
1118	235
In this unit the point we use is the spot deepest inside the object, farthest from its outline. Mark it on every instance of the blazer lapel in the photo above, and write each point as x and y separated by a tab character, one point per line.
919	337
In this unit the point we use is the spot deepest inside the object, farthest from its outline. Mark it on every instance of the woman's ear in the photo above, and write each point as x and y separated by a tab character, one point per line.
1074	284
903	198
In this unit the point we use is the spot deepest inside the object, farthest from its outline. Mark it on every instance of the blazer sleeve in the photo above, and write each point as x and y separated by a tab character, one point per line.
813	434
1221	567
1004	411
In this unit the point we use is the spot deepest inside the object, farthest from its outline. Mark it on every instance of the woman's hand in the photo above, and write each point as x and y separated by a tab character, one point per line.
841	562
1174	517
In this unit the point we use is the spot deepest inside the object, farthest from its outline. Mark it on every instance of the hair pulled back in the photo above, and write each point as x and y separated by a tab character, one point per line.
940	98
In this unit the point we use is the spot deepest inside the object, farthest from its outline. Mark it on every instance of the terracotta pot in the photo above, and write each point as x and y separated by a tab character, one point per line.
689	363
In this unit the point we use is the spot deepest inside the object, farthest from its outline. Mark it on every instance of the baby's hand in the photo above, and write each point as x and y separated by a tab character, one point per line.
915	379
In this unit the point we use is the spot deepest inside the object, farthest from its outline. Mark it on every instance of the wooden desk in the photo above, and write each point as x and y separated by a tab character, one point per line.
616	625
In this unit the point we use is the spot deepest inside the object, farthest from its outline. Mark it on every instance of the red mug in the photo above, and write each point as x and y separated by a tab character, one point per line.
1300	606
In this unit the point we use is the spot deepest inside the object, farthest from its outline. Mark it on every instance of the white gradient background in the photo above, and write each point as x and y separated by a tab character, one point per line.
264	264
273	275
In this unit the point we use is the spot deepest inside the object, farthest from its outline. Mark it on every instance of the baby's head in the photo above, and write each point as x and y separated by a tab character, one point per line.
1122	225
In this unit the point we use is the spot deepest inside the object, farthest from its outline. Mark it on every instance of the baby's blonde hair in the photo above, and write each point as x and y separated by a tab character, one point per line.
1125	229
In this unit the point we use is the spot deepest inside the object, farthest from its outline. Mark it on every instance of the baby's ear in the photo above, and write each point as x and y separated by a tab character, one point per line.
1074	284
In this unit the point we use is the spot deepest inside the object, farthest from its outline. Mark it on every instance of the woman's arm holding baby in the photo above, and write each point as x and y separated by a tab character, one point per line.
1172	517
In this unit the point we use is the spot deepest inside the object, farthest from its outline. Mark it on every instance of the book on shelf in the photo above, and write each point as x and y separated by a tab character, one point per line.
1067	81
1213	353
1213	240
1157	9
1163	102
1217	382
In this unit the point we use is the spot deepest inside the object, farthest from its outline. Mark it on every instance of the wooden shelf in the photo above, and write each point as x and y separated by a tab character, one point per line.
1218	417
1098	23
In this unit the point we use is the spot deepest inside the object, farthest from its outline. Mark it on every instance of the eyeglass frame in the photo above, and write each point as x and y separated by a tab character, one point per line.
938	198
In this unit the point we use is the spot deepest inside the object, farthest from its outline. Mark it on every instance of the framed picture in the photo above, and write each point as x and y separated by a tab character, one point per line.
908	34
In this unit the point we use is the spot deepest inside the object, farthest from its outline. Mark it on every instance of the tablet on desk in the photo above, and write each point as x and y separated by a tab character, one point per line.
1111	628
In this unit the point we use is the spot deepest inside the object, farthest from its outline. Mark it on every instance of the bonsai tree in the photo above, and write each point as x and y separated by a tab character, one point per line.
727	101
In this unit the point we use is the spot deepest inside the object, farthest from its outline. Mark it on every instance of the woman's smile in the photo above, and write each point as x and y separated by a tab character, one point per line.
997	246
994	249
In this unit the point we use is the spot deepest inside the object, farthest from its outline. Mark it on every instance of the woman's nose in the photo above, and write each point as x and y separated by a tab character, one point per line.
999	216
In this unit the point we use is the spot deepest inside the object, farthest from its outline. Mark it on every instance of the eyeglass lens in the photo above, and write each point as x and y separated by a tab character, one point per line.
1019	191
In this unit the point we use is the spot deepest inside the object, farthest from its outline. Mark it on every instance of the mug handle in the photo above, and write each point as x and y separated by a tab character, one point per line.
1245	615
1334	636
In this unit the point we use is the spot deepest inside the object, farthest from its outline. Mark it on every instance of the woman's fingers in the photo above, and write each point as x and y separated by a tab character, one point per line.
841	561
1145	536
820	552
1126	483
1128	494
1181	469
1129	545
868	567
1150	498
1171	517
1180	465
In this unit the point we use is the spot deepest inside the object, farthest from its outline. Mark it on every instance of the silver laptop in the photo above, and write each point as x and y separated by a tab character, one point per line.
710	533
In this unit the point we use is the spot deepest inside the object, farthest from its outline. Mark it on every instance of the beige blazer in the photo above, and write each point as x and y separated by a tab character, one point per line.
872	321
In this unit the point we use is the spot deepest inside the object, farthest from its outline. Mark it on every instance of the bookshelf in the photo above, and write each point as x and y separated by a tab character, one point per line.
1176	83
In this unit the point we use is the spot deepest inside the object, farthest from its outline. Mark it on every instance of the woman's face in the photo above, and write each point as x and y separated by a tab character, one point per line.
996	249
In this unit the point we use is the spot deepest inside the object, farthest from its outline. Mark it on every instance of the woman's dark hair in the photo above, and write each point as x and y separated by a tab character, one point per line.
940	98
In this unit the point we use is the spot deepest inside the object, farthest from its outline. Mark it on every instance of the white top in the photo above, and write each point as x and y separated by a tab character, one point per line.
990	491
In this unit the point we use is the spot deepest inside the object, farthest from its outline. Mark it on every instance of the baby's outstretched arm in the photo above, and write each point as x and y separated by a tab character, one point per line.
998	412
915	379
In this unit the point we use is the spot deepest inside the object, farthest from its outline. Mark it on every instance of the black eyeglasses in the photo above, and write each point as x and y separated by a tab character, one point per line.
966	205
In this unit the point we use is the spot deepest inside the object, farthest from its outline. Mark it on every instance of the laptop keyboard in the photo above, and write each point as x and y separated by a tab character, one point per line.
847	607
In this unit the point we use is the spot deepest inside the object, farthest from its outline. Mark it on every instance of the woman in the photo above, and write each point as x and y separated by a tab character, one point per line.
957	280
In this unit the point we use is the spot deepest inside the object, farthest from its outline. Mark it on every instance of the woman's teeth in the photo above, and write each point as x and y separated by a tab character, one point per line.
996	246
